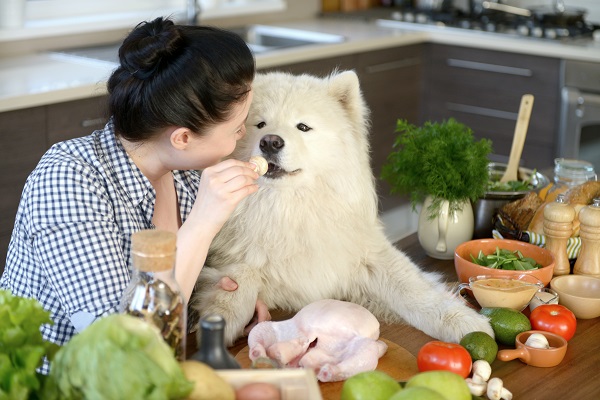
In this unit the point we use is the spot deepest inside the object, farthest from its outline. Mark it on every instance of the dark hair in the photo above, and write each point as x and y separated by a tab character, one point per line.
175	75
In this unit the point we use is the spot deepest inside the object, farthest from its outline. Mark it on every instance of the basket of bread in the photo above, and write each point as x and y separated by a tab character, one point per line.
523	219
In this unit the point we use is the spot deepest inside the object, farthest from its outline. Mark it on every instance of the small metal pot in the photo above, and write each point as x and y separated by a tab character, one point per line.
485	208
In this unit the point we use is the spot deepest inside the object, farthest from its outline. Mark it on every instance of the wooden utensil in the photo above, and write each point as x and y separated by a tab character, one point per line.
511	173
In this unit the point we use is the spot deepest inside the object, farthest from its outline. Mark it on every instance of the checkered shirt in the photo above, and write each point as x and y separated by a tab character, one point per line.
71	241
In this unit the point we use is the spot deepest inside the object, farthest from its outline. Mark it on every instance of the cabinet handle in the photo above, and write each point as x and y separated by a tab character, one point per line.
501	69
86	123
406	62
486	112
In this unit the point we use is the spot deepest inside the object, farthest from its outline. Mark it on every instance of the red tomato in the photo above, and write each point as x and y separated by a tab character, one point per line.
554	318
436	355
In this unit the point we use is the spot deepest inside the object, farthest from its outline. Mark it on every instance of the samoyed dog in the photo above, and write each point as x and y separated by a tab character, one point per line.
312	230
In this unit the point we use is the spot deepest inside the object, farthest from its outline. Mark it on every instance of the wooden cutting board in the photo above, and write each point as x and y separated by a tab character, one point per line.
397	362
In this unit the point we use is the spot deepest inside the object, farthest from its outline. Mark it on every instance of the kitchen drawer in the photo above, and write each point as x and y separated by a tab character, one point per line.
75	118
483	90
22	144
391	83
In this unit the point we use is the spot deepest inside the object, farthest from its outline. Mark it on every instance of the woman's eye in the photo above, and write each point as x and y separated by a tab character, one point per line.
303	127
261	125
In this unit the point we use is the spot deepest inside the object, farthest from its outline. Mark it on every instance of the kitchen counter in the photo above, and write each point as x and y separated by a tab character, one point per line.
573	378
48	78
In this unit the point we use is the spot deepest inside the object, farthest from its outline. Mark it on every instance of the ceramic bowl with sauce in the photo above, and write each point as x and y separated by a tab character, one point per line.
466	268
579	293
512	291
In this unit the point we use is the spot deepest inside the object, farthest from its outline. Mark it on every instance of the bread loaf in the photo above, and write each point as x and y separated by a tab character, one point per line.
521	211
578	196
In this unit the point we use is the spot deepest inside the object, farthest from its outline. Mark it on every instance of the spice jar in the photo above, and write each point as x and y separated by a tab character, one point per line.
212	350
558	228
588	262
153	293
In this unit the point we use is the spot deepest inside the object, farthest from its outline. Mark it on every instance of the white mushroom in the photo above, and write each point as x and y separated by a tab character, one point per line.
497	391
538	341
482	371
476	388
262	165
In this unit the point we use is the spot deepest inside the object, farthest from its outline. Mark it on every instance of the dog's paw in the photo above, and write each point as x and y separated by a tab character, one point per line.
458	322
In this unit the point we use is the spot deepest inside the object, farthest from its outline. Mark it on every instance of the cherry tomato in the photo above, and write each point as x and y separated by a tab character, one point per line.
437	355
554	318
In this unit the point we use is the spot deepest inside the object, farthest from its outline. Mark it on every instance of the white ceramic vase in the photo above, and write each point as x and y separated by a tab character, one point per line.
440	236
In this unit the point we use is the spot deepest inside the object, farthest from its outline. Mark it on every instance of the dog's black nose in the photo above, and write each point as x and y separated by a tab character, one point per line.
271	144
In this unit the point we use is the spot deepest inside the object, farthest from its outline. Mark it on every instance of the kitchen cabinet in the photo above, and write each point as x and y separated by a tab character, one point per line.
483	90
25	136
391	83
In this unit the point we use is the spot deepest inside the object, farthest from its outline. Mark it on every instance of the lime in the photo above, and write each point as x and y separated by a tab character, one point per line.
417	392
480	346
506	323
370	385
450	385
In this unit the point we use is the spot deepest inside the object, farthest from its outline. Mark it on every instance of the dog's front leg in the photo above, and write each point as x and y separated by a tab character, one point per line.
396	288
236	307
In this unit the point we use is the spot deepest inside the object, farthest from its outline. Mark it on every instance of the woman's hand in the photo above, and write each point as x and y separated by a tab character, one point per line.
222	187
261	311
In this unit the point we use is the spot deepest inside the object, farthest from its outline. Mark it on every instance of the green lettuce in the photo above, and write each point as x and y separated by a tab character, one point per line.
22	348
118	357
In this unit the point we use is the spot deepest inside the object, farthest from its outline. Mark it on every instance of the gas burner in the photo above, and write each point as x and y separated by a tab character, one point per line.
495	21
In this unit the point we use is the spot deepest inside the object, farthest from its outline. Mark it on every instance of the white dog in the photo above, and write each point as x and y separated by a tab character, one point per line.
312	230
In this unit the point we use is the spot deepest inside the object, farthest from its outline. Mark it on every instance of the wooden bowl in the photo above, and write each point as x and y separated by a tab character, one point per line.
465	268
579	293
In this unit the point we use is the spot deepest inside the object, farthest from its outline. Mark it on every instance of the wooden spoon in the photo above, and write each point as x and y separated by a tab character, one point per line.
512	169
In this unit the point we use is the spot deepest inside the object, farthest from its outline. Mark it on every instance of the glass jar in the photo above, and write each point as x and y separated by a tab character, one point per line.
569	173
153	293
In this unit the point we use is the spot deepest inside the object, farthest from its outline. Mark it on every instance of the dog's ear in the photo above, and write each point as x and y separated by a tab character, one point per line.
345	87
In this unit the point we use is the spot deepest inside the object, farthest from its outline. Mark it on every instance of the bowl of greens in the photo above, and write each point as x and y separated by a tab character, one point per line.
498	194
502	257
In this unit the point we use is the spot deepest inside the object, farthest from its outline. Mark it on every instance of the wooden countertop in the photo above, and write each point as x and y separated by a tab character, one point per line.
574	378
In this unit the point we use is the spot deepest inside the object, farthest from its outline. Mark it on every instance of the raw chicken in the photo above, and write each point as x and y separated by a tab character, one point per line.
336	339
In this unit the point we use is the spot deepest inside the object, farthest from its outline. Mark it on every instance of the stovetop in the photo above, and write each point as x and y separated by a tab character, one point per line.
499	23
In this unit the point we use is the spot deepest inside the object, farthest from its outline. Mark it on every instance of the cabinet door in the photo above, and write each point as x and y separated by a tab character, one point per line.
76	118
22	144
483	90
391	82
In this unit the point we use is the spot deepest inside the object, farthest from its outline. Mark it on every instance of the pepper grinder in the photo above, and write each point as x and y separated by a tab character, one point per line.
588	262
558	228
212	350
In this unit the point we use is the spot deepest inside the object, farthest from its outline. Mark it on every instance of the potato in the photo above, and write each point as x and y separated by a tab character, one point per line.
258	391
208	384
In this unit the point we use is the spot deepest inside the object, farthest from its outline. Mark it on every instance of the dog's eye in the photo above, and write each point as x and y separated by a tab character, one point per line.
261	124
303	127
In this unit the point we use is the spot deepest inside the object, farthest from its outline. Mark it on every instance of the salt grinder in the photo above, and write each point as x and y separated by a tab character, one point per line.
212	350
558	228
588	262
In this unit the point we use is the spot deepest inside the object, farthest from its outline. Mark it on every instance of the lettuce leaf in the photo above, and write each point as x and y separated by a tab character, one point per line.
22	347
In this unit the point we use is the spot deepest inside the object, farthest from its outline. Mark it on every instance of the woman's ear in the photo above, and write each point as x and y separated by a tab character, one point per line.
180	138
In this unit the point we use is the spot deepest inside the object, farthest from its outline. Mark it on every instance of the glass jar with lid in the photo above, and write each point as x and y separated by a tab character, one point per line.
569	172
153	293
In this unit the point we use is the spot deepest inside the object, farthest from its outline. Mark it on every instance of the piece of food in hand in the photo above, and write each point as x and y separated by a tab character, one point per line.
207	383
262	166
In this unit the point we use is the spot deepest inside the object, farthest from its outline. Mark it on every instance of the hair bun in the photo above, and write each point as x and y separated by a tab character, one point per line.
150	47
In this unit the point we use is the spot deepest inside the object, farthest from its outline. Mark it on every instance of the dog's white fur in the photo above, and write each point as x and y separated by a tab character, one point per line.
313	232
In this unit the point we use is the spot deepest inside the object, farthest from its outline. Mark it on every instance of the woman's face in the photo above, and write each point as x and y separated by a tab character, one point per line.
220	141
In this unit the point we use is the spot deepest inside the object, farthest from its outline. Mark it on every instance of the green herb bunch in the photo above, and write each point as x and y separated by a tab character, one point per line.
22	348
441	160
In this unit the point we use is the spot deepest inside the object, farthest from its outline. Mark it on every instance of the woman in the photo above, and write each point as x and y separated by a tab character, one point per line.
178	102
